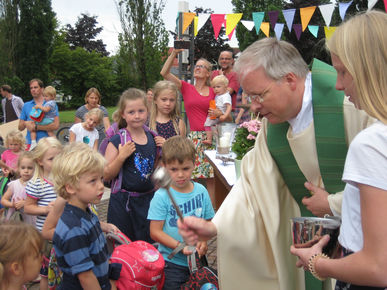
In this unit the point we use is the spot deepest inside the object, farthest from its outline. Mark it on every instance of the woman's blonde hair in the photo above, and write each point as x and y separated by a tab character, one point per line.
16	136
93	91
49	90
75	160
175	113
95	112
18	241
38	152
131	94
361	45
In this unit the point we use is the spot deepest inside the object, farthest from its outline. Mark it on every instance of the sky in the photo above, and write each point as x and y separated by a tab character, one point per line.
68	11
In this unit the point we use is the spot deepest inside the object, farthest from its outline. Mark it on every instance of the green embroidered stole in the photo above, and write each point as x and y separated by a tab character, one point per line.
330	143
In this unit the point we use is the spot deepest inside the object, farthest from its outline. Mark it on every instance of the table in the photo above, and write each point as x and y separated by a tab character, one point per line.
224	174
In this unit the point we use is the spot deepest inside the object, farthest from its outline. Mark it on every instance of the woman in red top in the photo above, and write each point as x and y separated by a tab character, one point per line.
196	101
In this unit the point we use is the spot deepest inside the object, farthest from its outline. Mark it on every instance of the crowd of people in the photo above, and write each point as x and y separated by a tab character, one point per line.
321	151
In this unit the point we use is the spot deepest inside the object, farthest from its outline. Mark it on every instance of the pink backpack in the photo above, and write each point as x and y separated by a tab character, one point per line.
142	264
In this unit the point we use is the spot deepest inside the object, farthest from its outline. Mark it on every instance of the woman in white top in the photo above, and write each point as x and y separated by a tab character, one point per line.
359	55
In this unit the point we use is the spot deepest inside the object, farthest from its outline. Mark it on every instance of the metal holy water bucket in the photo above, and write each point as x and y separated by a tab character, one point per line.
307	231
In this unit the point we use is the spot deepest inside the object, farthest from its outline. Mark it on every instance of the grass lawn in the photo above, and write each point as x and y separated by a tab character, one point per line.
68	116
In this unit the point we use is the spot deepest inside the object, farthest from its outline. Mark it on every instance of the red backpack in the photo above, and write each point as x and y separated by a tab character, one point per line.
142	264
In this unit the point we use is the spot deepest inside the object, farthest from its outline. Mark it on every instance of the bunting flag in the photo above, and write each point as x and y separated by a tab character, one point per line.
306	14
196	20
217	22
371	4
232	21
329	31
265	27
326	12
249	24
385	5
278	28
313	29
187	20
273	17
230	35
202	20
297	30
289	17
343	9
257	18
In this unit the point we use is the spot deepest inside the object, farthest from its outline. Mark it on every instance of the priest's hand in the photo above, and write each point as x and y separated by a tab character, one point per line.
318	203
194	230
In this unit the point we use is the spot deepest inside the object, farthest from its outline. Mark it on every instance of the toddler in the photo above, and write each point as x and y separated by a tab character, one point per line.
15	142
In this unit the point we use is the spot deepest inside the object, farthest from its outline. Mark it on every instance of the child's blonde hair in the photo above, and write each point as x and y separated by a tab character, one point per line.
24	155
16	136
178	148
131	94
175	113
50	91
75	160
95	112
220	79
38	152
18	241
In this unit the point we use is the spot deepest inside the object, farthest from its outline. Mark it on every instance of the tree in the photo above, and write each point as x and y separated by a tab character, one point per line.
143	42
84	34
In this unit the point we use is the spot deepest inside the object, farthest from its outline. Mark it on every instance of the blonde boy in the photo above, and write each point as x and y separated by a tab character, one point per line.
50	110
223	103
78	240
178	158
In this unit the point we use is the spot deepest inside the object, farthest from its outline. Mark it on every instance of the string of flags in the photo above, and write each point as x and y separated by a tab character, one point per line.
230	21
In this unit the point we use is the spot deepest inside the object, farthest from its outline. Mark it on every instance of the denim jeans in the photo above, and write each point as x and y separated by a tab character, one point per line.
175	276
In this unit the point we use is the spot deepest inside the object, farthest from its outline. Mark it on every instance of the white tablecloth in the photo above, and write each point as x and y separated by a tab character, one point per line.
226	169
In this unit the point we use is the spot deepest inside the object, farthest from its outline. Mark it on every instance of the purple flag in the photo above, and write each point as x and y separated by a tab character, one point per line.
297	29
273	17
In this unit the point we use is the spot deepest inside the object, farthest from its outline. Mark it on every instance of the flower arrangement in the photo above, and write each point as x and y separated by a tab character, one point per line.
245	136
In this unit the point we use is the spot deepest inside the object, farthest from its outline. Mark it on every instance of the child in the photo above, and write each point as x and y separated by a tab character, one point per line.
165	116
86	132
50	110
15	142
79	244
129	206
40	191
192	198
223	103
14	197
20	254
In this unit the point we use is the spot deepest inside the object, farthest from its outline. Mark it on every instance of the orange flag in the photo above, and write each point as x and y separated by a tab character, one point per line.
187	19
329	31
265	27
231	21
306	14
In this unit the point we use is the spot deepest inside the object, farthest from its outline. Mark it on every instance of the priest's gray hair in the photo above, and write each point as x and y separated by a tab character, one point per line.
278	58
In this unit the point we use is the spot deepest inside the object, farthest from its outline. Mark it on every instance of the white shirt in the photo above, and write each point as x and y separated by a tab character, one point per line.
222	100
83	135
366	163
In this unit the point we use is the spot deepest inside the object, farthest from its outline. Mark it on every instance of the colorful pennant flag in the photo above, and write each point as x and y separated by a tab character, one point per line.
313	29
273	17
249	24
202	20
187	19
329	31
385	5
371	4
196	20
326	12
343	9
297	30
257	18
289	17
232	21
265	27
230	35
278	28
306	14
217	22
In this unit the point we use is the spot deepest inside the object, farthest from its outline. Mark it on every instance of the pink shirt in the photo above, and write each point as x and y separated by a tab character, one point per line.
232	83
196	105
10	158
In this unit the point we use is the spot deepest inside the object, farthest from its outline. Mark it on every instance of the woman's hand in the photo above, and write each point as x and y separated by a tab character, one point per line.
304	254
215	112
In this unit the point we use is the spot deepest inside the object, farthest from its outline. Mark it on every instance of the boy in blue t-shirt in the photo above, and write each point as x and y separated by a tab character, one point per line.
193	200
79	243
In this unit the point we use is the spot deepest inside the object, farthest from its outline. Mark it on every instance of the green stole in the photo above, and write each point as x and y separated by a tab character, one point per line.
330	143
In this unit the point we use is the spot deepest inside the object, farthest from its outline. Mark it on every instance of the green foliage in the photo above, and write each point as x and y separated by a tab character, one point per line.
143	43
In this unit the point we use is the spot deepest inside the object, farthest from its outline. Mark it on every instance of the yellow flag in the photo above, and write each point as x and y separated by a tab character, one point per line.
306	14
187	19
329	31
265	27
231	21
196	21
